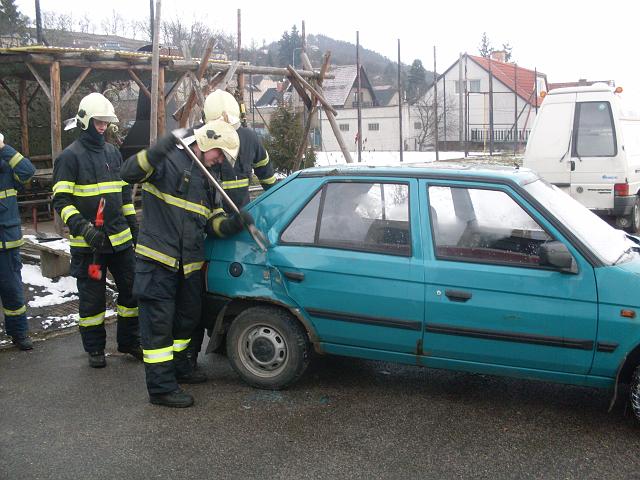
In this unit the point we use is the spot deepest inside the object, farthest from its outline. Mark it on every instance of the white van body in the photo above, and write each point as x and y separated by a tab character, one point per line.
586	141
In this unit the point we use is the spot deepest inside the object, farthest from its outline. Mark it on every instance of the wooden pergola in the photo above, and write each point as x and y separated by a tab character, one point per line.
51	67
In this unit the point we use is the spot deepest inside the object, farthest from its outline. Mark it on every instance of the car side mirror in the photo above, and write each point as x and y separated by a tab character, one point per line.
556	254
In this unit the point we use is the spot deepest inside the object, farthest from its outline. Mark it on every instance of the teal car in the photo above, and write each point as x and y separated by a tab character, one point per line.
486	270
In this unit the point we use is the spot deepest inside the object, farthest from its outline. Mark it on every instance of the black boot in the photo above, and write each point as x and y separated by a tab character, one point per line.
97	360
176	399
134	350
23	342
193	377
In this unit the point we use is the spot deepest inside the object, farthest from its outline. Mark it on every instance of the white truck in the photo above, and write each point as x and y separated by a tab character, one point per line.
586	141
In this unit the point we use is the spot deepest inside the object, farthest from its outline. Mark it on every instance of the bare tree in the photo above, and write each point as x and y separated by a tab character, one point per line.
114	25
424	108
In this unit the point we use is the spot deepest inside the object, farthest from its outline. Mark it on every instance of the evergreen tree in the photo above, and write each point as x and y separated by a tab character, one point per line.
507	52
285	136
417	81
287	47
485	48
13	23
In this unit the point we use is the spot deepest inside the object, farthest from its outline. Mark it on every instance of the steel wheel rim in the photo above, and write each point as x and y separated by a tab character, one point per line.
636	217
263	350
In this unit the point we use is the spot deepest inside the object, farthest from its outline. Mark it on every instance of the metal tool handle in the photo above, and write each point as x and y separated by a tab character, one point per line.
256	234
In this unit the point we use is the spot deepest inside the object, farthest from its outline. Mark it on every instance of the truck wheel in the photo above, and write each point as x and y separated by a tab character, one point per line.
634	393
267	347
634	219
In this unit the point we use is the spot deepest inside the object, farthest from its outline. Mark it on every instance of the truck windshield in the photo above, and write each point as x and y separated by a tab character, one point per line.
605	241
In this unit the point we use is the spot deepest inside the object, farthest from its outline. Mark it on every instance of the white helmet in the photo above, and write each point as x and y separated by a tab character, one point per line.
218	134
220	104
95	105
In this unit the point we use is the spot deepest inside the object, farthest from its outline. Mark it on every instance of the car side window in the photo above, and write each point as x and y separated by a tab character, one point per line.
482	225
356	216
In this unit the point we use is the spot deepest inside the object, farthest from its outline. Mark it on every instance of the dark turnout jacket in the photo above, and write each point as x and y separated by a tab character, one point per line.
179	208
86	171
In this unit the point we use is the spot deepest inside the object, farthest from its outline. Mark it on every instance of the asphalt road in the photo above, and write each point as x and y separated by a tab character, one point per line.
346	418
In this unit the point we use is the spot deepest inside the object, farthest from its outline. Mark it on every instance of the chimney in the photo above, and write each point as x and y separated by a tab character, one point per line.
498	55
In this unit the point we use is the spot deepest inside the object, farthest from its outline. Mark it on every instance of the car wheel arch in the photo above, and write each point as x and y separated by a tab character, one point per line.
625	372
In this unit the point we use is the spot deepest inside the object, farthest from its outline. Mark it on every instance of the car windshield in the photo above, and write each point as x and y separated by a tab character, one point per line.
608	243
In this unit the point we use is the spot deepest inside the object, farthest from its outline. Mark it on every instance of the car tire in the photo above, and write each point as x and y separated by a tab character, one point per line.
634	218
634	393
267	347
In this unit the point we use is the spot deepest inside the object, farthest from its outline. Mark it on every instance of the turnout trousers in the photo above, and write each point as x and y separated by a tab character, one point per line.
170	307
12	293
93	303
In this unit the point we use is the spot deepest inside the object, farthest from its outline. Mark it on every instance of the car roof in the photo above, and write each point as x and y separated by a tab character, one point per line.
452	171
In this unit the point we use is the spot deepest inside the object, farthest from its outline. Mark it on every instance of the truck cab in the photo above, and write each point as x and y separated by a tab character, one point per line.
586	141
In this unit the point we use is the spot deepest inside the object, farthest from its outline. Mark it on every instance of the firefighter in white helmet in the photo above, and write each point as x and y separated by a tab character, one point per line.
179	208
235	179
87	174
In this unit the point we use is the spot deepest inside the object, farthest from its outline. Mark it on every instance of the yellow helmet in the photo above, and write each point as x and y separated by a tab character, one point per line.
220	104
218	134
95	105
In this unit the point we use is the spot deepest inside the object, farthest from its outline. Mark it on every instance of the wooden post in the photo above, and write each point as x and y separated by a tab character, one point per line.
161	105
202	68
155	63
24	117
56	128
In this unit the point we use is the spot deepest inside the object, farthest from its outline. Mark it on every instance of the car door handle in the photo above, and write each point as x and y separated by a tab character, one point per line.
457	295
294	276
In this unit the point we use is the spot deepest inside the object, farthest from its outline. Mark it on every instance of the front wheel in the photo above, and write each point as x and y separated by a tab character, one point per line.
634	393
267	347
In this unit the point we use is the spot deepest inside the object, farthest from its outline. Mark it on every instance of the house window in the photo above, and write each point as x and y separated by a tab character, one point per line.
374	127
474	86
417	125
344	127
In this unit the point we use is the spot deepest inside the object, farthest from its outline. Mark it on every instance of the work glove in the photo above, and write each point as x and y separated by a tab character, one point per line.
133	226
161	148
93	236
235	223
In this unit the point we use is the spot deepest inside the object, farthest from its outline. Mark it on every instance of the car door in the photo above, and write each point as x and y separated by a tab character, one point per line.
351	259
488	301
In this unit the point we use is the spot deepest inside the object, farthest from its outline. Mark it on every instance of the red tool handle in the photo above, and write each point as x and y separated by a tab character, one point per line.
100	214
95	269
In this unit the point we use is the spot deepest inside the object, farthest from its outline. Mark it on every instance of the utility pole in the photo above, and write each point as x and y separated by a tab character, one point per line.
359	97
515	110
155	66
152	17
466	107
490	109
460	102
435	102
39	37
400	103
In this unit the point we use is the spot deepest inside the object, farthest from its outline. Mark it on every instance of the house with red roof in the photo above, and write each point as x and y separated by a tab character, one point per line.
499	98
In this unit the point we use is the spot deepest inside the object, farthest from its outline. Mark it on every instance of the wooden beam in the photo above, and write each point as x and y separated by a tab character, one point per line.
195	87
41	82
161	110
33	95
11	94
143	88
155	62
174	88
202	68
56	127
318	95
74	86
300	89
24	117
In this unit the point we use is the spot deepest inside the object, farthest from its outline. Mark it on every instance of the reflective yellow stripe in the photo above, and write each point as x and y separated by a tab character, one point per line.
268	181
143	162
158	355
63	187
128	209
177	202
215	223
92	321
8	193
78	241
216	212
94	189
244	182
157	256
180	345
127	311
263	162
15	160
192	267
13	313
12	244
120	238
67	212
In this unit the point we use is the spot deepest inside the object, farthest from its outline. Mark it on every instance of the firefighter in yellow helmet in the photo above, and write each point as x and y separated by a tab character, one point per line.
179	208
86	175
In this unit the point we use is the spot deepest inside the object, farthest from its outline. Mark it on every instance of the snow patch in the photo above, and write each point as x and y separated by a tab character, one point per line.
60	291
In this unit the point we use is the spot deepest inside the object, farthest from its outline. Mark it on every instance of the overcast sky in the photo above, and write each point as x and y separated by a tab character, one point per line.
567	39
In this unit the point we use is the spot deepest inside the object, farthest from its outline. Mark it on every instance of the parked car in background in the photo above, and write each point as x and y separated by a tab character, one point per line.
492	271
586	141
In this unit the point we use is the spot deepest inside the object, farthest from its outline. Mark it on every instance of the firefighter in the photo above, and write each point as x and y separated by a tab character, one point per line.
86	172
179	208
220	104
15	171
